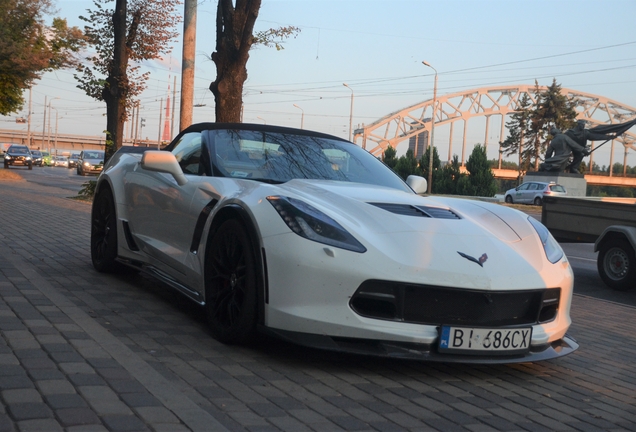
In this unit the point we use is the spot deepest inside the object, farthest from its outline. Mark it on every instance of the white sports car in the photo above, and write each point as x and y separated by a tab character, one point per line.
310	238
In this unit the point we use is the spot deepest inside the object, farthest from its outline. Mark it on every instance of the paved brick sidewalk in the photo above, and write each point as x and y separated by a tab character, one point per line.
82	351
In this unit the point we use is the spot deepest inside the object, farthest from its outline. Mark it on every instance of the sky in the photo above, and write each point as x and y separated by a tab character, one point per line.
377	47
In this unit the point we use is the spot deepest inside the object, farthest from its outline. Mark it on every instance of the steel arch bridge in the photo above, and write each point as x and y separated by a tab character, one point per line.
414	123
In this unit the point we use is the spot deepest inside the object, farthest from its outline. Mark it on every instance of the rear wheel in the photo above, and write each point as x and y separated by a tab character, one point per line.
617	264
509	199
104	233
230	293
537	201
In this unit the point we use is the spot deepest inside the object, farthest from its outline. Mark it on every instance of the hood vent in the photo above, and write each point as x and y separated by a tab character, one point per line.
420	211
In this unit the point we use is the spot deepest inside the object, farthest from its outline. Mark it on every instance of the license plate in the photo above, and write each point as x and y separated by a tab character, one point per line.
465	340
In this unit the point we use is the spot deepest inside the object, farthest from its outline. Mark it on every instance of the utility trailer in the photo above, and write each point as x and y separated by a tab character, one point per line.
609	223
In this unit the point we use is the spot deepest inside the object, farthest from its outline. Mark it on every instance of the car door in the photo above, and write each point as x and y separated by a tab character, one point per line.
159	212
533	191
520	193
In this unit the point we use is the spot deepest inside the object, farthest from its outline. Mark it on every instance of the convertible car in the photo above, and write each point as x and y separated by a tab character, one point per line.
310	238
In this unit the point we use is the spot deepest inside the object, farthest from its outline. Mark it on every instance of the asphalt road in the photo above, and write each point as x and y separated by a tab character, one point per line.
581	255
54	176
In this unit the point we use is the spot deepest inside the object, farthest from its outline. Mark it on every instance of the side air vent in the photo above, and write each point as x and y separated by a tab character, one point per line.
421	211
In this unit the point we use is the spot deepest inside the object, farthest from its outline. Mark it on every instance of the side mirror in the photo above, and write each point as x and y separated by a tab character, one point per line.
165	162
417	183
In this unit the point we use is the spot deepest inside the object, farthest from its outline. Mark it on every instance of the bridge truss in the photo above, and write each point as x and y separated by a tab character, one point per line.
414	123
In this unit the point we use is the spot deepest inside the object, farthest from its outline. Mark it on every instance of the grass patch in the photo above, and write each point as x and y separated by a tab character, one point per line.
6	174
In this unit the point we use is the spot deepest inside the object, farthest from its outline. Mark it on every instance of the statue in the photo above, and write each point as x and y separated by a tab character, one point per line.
581	136
557	156
573	143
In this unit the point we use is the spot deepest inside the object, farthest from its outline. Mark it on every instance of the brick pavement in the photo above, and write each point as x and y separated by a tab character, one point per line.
83	351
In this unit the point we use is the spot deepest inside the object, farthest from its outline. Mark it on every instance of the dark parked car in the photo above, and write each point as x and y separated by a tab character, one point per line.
18	155
37	157
72	160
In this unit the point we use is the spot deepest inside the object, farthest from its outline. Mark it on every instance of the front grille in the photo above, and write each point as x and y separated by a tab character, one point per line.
424	304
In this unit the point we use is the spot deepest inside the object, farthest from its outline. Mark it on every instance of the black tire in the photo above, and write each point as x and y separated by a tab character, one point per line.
6	165
30	166
231	283
616	264
538	201
104	233
509	199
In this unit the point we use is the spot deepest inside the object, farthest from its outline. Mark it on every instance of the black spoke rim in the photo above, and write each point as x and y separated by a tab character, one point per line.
228	280
101	229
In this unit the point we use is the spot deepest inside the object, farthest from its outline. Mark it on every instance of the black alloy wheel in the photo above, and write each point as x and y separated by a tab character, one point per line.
104	233
616	264
230	293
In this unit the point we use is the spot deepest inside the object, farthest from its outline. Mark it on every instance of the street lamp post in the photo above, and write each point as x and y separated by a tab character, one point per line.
350	109
432	140
261	118
49	128
302	116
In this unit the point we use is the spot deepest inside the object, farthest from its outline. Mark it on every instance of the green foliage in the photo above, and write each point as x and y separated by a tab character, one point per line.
109	146
425	162
149	31
494	164
611	191
407	165
88	190
29	48
275	37
449	178
481	181
529	125
389	157
518	127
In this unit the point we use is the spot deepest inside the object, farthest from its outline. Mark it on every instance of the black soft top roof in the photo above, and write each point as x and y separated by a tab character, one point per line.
198	127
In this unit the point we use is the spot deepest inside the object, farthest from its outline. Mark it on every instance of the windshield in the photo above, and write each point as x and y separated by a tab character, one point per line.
280	157
18	150
93	155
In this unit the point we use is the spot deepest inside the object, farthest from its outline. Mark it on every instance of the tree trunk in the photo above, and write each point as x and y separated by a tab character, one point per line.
234	38
114	92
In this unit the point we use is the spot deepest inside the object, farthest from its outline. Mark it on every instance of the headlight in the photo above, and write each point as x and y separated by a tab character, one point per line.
312	224
7	157
28	158
552	249
87	164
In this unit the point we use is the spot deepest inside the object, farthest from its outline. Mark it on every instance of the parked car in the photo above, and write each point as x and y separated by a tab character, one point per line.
47	159
18	155
533	192
310	238
72	160
37	157
61	161
90	162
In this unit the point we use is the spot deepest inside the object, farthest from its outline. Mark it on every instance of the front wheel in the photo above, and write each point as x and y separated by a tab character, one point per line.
230	292
617	264
509	199
104	233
